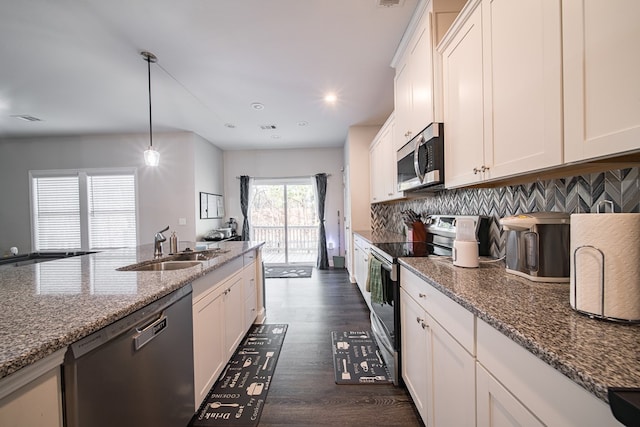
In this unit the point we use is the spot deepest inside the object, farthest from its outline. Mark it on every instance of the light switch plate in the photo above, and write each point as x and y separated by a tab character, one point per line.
182	221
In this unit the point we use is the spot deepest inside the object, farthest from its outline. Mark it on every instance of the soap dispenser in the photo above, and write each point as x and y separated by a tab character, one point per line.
465	246
173	243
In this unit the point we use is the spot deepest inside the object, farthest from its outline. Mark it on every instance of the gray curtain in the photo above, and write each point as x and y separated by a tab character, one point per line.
321	191
244	205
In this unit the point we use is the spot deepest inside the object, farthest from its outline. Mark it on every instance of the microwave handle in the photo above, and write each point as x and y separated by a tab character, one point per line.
416	160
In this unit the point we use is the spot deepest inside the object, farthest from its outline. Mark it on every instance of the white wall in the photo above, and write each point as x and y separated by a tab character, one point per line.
209	178
282	164
165	193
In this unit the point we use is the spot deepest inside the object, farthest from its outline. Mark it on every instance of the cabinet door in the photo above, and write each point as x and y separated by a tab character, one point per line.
402	103
601	84
415	353
463	103
452	380
250	295
233	313
497	407
523	79
376	166
208	342
421	59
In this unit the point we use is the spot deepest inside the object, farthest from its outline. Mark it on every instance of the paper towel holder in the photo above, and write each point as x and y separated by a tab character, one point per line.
601	315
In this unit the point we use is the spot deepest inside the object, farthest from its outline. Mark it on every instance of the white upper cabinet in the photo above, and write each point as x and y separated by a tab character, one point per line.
464	114
418	68
383	166
502	64
601	77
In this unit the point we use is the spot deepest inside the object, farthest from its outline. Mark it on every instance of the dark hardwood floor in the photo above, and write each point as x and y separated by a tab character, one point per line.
303	391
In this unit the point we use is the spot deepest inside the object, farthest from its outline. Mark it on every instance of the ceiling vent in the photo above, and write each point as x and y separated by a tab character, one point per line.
268	127
26	118
389	3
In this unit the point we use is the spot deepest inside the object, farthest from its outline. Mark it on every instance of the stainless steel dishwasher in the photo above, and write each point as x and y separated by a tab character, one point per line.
137	371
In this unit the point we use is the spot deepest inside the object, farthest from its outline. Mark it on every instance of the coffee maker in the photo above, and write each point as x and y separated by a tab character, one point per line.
233	225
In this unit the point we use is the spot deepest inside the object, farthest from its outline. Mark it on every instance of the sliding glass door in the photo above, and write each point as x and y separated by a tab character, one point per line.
283	214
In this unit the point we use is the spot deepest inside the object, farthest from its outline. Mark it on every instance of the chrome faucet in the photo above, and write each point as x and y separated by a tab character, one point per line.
157	243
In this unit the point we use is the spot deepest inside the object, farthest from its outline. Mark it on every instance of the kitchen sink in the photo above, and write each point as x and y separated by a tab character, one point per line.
176	262
164	266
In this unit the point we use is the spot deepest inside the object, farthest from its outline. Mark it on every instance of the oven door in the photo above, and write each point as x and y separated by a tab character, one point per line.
385	317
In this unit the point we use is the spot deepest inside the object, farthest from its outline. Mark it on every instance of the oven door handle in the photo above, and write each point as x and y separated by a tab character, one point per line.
391	268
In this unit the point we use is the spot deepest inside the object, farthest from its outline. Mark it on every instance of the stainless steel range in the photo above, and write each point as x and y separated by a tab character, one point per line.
385	314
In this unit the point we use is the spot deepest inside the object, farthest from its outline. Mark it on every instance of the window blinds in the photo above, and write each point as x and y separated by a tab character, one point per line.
66	217
56	213
112	211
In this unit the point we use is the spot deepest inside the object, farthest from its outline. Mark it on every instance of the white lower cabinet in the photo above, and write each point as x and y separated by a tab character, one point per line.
461	371
37	402
208	347
415	352
361	249
224	307
497	407
551	397
234	327
438	371
250	294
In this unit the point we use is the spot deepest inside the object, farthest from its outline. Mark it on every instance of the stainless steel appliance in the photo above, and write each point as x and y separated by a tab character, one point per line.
385	316
537	246
420	162
137	371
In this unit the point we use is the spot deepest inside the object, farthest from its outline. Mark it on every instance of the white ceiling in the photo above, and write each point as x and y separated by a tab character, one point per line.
76	65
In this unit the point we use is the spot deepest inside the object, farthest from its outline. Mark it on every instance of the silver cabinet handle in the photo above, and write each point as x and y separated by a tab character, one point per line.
421	295
424	325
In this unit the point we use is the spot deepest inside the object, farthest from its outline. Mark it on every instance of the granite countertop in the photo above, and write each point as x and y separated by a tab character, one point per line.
594	353
47	306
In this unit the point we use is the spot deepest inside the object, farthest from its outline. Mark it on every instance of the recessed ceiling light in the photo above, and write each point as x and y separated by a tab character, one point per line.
303	123
230	125
257	106
330	98
26	118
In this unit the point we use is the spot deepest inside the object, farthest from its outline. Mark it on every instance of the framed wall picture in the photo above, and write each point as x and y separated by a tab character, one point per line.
211	206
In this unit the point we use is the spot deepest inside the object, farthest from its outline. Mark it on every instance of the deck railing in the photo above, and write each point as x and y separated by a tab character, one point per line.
303	240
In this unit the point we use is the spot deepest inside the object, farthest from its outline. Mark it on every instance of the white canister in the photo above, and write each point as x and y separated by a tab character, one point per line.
605	265
465	254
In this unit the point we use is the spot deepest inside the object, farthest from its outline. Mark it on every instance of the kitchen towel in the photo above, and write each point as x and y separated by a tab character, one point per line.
609	243
374	280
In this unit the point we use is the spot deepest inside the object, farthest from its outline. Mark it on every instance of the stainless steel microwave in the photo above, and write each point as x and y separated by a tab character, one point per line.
421	160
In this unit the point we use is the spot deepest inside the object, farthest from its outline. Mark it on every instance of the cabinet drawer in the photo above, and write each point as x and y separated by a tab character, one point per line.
549	395
458	321
207	283
359	241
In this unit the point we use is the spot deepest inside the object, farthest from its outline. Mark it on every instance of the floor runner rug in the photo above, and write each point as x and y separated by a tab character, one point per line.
287	271
237	398
357	360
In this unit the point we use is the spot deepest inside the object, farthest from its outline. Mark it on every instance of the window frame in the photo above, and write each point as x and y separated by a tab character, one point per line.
82	175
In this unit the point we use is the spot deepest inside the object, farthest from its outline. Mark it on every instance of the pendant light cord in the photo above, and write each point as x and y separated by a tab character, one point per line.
149	78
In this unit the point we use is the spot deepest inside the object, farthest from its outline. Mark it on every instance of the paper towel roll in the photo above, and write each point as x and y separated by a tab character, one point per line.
614	237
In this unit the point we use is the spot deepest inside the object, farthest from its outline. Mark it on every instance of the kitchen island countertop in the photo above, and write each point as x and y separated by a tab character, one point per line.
45	307
595	354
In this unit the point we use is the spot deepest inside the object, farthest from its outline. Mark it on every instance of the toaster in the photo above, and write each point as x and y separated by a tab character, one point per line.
537	246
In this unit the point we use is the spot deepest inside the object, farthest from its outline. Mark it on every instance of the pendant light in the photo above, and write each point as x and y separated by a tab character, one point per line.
151	156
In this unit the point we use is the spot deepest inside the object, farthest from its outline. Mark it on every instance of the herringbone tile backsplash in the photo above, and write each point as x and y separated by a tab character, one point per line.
578	194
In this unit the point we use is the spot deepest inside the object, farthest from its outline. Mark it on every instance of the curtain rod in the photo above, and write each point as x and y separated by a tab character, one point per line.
282	177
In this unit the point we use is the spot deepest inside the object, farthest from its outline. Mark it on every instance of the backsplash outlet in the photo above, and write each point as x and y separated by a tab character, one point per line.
578	194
